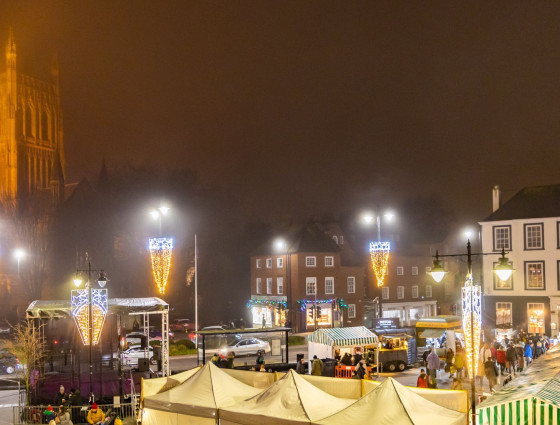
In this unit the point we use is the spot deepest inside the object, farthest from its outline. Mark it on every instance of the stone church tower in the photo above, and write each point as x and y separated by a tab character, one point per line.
31	136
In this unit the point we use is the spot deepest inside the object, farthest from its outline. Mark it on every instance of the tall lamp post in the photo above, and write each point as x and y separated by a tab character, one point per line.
19	254
89	309
472	308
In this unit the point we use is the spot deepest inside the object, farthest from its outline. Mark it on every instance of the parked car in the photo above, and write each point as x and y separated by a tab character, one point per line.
5	328
247	346
182	325
155	333
9	363
213	328
133	353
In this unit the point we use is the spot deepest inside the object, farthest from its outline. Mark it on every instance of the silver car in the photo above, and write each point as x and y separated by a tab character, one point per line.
247	346
131	355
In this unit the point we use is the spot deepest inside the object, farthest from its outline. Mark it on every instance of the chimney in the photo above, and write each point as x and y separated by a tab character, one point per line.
496	198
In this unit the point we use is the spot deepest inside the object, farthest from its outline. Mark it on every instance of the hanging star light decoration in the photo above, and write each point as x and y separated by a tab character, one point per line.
160	251
80	312
379	252
472	323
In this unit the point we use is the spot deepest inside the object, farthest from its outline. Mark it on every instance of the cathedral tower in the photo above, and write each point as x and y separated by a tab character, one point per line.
31	135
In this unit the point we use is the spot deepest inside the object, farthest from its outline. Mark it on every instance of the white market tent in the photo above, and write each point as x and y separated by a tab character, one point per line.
393	403
290	400
323	342
196	401
531	399
159	385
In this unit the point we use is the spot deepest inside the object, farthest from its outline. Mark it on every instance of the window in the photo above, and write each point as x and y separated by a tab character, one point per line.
310	261
428	291
329	261
310	286
503	315
259	263
269	263
500	284
335	239
535	315
385	292
502	238
351	311
279	262
415	291
534	275
351	284
533	236
400	271
280	285
259	285
269	285
329	285
414	271
400	292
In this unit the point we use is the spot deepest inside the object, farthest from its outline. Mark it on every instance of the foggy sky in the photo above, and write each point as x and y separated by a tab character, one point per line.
307	107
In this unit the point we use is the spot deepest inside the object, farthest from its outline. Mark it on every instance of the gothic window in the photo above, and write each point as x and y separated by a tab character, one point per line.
45	126
29	122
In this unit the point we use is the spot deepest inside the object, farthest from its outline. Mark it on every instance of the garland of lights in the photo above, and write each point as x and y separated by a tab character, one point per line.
472	313
160	251
339	301
80	312
379	252
282	304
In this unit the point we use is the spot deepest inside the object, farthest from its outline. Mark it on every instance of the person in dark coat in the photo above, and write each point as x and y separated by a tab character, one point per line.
360	371
300	368
511	359
491	371
60	396
76	401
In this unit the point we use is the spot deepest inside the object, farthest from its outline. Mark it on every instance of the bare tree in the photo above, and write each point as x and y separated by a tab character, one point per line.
28	345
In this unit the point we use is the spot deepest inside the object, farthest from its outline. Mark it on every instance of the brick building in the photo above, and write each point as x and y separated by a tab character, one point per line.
310	278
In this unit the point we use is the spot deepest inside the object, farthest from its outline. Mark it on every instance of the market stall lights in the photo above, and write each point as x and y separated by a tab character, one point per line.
379	252
161	250
472	322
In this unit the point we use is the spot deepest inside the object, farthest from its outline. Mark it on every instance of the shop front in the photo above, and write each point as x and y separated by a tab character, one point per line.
321	313
273	309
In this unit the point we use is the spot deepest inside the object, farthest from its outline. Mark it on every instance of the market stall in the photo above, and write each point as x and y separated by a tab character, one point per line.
440	332
392	403
288	401
196	400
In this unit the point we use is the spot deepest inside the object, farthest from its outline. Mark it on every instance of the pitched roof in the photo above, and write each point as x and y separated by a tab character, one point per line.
530	202
308	238
359	335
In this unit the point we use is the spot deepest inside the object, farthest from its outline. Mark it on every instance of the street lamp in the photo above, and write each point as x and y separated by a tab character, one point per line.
158	213
472	308
89	309
19	254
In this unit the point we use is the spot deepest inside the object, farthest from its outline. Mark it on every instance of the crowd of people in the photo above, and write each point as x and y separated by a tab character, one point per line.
498	359
68	410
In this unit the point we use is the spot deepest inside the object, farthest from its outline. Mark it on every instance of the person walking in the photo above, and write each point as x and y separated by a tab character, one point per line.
459	362
528	353
422	381
492	373
483	354
501	358
449	356
520	360
317	367
511	359
433	366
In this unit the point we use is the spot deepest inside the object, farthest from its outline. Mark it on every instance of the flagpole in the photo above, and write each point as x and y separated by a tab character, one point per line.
196	292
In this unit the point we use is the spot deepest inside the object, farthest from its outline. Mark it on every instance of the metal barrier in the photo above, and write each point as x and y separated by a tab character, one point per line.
78	414
348	371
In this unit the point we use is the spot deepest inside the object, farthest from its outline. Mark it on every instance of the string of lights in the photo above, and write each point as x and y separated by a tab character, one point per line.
161	250
339	301
472	323
80	313
282	304
379	252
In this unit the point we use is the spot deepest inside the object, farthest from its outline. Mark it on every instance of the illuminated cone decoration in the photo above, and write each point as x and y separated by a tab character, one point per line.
472	314
379	252
80	312
160	251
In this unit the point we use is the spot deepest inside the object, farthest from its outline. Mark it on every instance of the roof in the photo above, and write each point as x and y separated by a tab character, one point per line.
341	337
440	322
530	202
47	309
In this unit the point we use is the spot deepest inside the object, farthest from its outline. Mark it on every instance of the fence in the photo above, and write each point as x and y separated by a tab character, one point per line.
36	414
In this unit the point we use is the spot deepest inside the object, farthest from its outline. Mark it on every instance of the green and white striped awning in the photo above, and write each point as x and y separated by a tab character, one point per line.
342	337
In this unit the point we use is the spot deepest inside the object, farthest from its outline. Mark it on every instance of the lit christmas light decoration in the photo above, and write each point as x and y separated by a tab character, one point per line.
379	252
99	307
282	304
472	303
160	251
303	303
